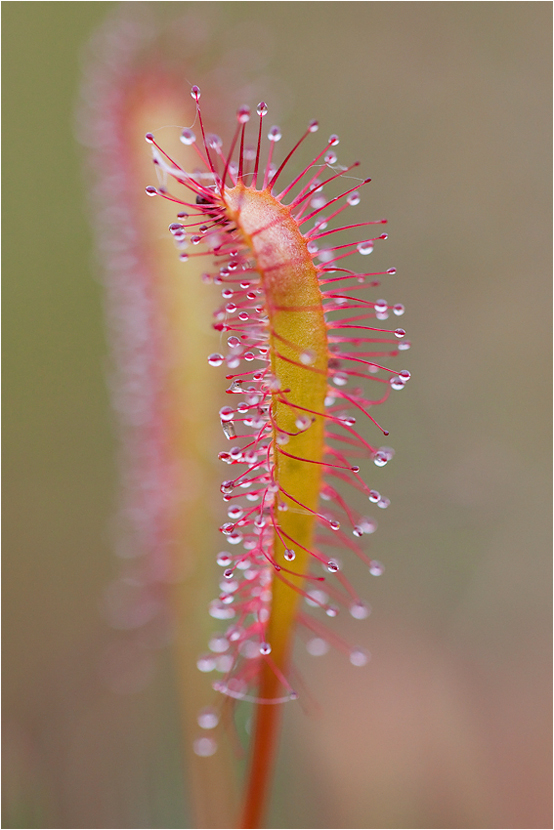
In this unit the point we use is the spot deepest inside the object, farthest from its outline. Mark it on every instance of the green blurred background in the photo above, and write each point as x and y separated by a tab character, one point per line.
448	106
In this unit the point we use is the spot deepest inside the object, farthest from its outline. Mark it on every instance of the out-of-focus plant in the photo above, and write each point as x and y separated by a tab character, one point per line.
305	352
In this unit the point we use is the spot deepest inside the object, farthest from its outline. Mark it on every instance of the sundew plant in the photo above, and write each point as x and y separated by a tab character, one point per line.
306	364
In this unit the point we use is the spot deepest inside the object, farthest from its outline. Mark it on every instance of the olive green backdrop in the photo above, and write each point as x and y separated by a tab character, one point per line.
447	105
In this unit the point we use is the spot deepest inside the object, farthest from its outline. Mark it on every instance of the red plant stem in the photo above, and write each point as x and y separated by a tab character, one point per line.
264	748
268	719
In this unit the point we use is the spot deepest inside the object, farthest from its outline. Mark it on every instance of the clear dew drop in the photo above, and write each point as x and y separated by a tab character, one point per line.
376	568
263	615
332	566
334	525
313	126
383	502
213	240
331	610
365	248
224	663
365	525
340	378
187	137
360	610
303	422
204	747
219	612
398	309
403	347
380	459
150	191
214	141
273	383
274	134
206	663
229	431
317	647
374	496
207	719
318	201
316	598
359	657
308	357
249	649
226	413
353	198
399	333
396	383
243	114
289	555
391	271
223	558
265	648
261	109
195	93
380	306
149	138
215	359
218	644
333	140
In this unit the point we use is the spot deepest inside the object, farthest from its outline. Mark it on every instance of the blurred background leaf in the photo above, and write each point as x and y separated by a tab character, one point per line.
448	106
